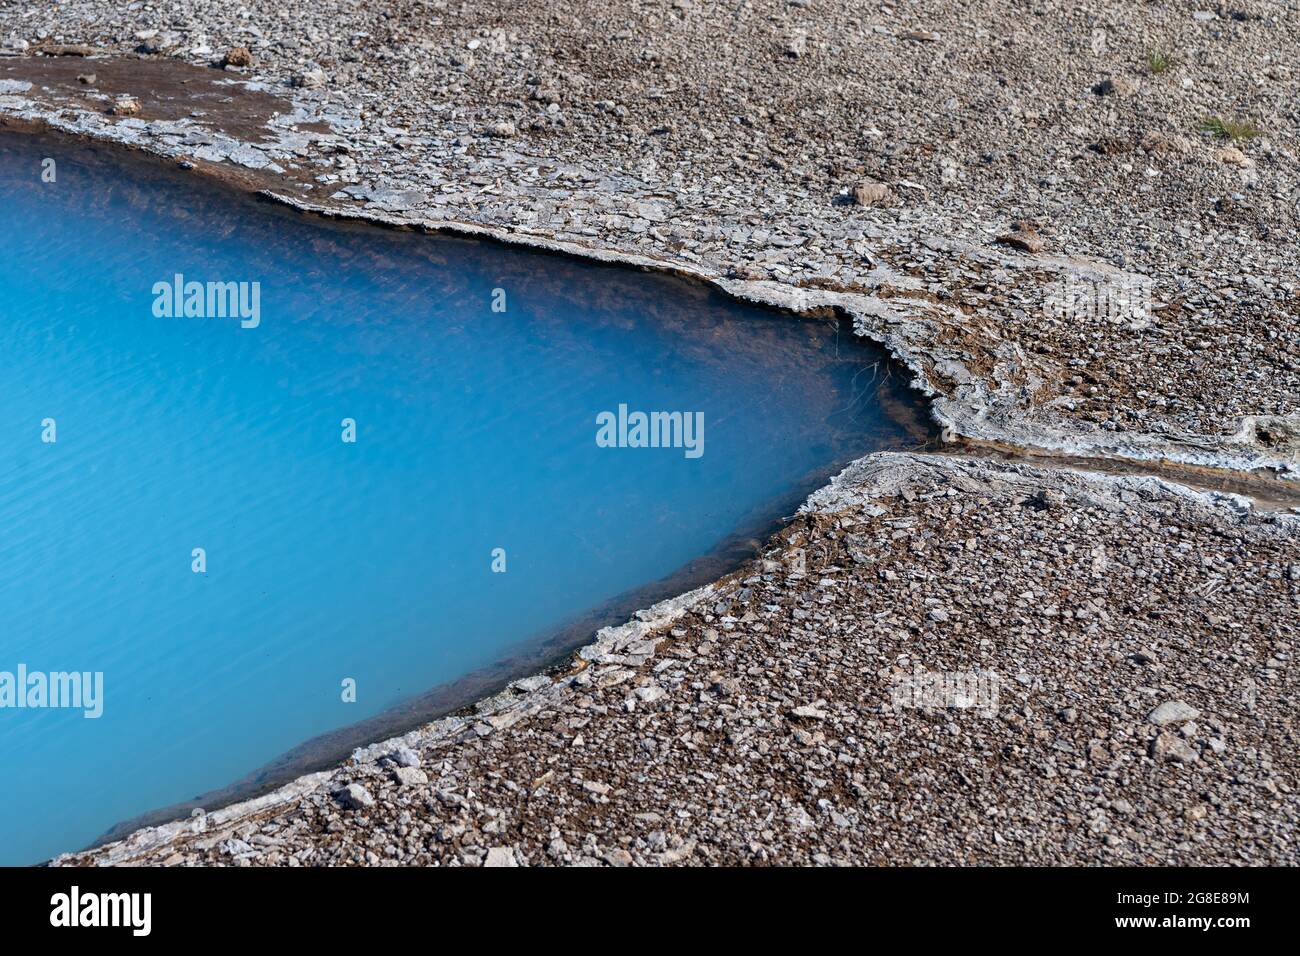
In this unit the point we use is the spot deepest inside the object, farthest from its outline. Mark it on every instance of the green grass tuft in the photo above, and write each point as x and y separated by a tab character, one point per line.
1159	61
1229	128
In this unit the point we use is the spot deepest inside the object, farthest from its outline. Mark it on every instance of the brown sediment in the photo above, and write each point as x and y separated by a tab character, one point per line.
165	89
1262	488
214	99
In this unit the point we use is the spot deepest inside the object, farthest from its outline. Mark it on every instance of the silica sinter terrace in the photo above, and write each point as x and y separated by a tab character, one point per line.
264	476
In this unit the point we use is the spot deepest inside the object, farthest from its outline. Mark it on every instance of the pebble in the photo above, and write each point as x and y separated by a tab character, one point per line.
1173	748
501	856
410	776
238	57
1173	712
125	106
353	796
870	194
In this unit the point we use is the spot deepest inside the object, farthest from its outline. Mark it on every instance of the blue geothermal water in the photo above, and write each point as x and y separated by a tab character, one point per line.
324	560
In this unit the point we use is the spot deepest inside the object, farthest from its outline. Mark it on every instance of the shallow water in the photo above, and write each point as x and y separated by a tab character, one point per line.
329	560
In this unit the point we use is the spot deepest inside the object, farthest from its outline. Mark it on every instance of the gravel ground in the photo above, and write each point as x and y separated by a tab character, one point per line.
1147	306
1131	699
1018	200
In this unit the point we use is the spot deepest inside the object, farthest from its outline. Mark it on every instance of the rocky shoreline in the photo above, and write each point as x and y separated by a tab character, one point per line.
986	198
908	222
1139	637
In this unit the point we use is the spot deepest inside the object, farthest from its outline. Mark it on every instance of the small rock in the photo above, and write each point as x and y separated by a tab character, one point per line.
410	776
87	79
526	685
1024	236
1172	712
501	856
237	56
236	847
800	819
679	854
1233	157
354	797
1173	748
502	130
405	757
920	36
1121	86
125	106
1157	143
650	693
70	49
809	712
310	79
870	194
